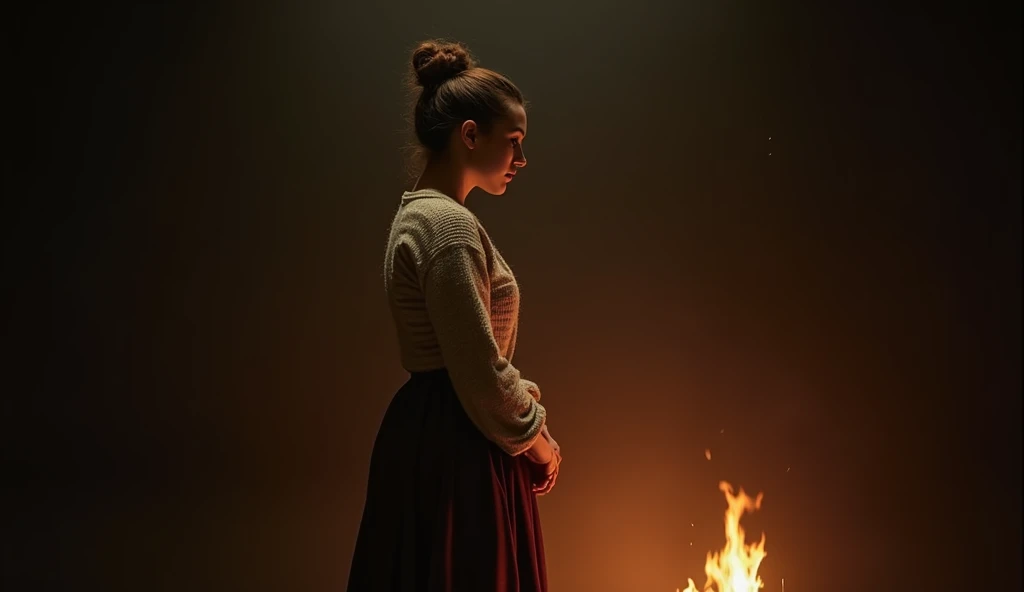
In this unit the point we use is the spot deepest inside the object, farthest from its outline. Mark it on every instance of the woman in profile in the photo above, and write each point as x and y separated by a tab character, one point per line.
463	450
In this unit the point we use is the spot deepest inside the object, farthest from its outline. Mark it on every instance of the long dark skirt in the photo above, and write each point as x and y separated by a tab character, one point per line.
446	509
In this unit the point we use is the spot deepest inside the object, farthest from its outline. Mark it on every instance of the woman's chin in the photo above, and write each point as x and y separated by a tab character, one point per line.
497	190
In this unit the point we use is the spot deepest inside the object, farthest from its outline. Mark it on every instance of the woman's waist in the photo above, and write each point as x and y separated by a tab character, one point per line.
432	373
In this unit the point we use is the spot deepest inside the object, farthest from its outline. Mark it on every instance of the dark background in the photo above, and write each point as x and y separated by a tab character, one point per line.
200	351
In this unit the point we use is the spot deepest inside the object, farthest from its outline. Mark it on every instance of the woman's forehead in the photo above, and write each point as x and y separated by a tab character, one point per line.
515	119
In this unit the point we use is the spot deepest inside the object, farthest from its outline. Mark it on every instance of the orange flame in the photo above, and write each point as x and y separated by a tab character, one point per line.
734	569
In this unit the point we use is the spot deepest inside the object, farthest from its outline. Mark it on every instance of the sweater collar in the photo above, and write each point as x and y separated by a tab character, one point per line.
424	193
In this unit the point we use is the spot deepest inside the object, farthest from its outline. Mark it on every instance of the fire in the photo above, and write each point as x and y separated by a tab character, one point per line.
734	568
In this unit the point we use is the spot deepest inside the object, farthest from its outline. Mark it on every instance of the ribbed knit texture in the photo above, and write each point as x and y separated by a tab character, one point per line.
455	304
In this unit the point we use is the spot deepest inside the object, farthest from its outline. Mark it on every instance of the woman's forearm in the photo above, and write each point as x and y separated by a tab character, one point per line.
541	451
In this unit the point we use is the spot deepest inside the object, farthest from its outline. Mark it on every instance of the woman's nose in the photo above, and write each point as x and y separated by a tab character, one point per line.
520	159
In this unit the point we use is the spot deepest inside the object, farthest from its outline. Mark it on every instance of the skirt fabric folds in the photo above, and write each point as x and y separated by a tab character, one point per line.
446	509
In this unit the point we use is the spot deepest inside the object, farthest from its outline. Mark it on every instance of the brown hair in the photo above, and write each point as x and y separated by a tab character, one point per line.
450	88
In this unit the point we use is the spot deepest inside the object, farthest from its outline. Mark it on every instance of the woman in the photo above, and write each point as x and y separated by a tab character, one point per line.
463	449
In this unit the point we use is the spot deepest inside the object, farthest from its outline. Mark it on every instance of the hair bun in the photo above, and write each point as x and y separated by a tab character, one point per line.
433	62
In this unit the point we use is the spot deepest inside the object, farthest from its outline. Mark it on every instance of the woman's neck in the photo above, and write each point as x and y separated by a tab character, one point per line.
441	175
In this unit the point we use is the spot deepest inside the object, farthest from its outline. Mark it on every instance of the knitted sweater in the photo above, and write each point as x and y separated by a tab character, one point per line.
455	305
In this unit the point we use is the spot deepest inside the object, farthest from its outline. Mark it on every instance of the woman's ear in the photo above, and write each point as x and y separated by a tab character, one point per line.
469	133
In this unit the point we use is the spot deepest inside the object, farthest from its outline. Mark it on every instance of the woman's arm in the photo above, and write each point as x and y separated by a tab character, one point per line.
541	452
496	399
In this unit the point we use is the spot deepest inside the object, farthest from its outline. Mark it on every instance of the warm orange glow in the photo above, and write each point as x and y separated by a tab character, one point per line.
734	568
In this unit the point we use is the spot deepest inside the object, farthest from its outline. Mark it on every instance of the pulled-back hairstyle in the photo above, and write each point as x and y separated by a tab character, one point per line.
450	88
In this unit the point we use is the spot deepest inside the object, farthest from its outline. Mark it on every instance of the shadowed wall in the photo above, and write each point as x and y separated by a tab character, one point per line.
787	234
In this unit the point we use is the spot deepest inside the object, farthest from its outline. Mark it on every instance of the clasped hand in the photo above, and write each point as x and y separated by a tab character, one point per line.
544	472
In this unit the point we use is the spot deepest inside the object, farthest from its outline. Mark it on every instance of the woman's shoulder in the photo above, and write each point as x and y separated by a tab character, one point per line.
438	223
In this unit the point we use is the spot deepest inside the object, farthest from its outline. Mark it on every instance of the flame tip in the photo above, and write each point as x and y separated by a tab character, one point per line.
734	567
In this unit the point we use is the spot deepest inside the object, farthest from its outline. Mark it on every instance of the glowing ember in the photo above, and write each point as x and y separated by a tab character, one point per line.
734	569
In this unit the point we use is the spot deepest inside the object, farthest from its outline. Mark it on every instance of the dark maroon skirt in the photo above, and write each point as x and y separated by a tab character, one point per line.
446	509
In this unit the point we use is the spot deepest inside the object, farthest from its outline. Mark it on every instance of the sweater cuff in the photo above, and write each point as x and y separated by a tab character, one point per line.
532	388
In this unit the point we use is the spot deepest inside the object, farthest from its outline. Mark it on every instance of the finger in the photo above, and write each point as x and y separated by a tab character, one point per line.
550	484
546	485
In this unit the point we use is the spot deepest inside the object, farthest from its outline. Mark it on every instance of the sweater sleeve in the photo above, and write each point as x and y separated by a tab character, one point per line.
503	406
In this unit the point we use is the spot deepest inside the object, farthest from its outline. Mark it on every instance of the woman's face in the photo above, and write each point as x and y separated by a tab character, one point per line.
497	156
